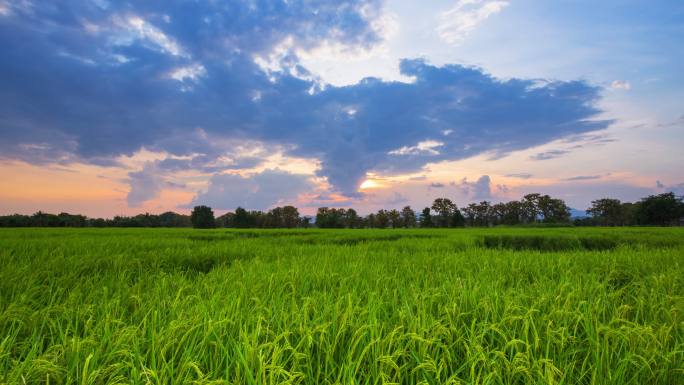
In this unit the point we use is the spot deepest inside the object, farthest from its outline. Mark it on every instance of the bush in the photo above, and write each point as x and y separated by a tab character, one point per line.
547	242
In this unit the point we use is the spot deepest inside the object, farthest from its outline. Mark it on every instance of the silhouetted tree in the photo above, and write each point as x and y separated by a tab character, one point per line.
408	217
382	219
202	217
351	219
553	210
445	210
394	218
426	218
607	211
305	222
330	218
241	218
457	219
660	210
290	217
530	208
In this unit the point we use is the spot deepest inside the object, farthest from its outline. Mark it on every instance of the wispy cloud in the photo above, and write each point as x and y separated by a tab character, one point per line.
552	154
456	23
521	175
620	85
583	177
427	147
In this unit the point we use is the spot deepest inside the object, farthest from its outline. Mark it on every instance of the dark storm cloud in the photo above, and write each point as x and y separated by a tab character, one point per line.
93	80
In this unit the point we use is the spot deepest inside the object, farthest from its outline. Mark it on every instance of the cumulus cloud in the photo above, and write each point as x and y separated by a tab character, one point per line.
397	199
257	192
456	23
678	189
144	186
481	189
181	78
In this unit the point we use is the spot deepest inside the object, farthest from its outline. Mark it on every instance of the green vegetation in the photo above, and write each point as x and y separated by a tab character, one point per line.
307	306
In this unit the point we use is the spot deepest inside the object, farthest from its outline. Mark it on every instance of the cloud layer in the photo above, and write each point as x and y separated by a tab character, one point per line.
90	81
259	191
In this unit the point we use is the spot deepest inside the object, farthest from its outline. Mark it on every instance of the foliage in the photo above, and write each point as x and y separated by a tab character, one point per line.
533	210
202	217
660	210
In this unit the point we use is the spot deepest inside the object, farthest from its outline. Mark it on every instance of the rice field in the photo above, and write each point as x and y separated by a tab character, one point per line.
451	306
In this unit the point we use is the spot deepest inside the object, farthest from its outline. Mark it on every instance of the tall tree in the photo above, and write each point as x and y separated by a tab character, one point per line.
202	217
660	210
351	219
530	208
241	218
382	219
607	212
394	218
444	208
408	217
290	217
426	218
457	219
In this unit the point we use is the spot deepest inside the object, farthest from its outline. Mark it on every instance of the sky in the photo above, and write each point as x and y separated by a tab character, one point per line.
123	107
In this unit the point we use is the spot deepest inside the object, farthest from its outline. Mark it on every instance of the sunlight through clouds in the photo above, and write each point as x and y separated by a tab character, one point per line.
456	23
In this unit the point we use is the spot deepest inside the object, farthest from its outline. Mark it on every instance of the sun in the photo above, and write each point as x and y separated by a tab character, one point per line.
369	183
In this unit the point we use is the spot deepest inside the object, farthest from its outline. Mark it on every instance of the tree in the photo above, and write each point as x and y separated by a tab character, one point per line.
351	219
330	218
530	208
660	210
202	217
607	212
511	213
408	217
226	220
382	219
370	221
426	218
241	218
445	209
394	218
457	219
483	213
305	222
536	207
554	210
290	217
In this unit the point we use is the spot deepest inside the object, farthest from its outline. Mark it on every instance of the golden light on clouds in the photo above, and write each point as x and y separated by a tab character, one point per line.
369	184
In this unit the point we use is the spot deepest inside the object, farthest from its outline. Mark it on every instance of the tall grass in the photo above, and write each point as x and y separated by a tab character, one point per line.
145	306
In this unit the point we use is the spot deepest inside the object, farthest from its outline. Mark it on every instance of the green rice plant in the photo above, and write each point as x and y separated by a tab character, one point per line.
438	306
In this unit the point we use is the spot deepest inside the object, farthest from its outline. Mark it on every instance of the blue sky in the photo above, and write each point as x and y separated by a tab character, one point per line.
119	107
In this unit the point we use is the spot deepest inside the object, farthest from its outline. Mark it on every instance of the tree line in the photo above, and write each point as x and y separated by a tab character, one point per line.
655	210
533	209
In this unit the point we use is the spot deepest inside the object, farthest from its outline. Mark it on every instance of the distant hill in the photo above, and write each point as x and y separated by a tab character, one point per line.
574	213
